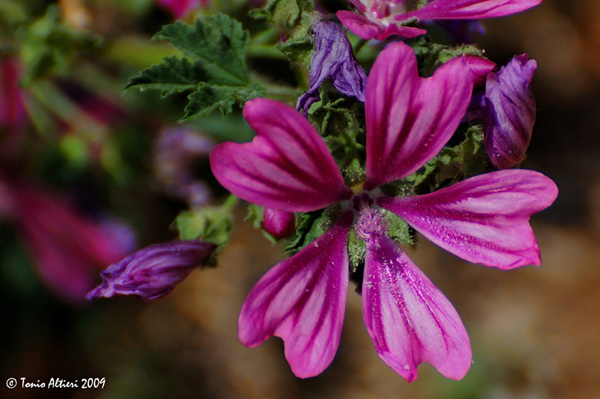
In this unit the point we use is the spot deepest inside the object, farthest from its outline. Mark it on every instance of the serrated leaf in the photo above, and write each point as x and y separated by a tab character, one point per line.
171	76
209	98
216	42
216	73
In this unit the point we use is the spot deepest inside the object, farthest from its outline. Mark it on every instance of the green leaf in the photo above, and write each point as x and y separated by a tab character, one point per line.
215	71
171	76
208	98
217	43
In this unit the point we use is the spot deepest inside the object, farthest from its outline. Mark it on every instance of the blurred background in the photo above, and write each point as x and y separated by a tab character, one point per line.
87	175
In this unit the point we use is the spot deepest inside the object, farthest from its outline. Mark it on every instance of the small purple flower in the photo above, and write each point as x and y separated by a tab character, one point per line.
152	272
509	112
278	223
383	18
484	219
333	59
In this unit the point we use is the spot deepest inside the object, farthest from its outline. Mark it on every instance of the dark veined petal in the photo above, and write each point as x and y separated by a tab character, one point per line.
333	58
484	219
408	318
287	166
509	112
410	119
366	29
152	272
302	300
468	9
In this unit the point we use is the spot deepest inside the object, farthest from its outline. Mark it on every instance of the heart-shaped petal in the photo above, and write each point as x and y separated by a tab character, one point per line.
287	166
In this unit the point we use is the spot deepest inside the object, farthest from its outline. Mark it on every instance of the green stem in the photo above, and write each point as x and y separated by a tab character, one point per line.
230	203
264	51
359	45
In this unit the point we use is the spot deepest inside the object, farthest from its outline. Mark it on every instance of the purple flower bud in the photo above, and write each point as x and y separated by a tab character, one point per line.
152	272
279	224
509	112
333	58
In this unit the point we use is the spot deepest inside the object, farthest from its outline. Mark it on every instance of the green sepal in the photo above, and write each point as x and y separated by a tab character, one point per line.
312	226
397	229
431	55
210	224
474	159
357	250
354	173
298	49
215	71
341	122
256	215
306	221
287	14
453	164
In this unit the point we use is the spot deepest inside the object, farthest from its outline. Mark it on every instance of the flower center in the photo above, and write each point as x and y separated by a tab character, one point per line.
370	222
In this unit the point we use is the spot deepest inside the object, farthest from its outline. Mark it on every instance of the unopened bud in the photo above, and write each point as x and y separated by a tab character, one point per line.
279	224
152	272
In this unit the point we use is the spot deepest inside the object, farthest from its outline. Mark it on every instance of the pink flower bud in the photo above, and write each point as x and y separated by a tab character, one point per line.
279	224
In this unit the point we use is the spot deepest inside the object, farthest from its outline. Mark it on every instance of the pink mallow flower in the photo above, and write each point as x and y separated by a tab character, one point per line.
383	18
179	8
68	247
484	219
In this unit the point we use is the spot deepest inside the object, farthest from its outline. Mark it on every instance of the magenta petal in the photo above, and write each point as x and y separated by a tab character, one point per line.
468	9
484	219
287	166
67	246
366	29
409	119
302	300
360	25
480	67
408	318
